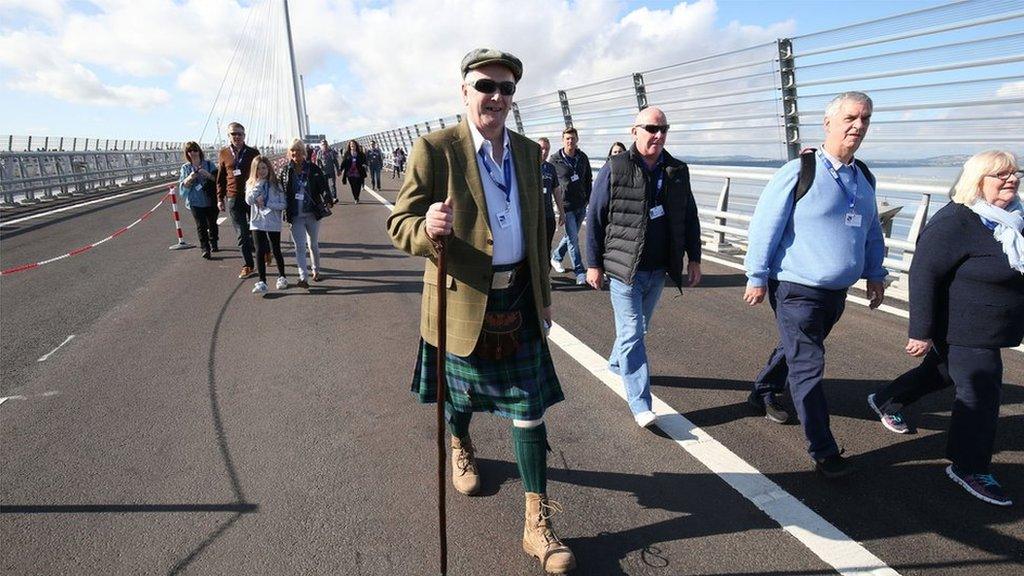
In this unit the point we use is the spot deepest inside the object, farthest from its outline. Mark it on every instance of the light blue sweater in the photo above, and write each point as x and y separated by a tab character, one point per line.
812	245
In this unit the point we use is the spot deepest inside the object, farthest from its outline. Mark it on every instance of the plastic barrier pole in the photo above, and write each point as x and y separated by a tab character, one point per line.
181	245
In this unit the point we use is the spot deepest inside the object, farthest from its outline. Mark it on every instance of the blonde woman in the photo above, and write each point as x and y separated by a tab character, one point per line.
966	303
305	187
267	203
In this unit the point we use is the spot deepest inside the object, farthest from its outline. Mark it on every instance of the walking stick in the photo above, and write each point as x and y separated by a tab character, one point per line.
442	308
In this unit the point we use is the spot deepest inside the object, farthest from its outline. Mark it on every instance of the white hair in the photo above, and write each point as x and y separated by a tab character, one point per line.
833	107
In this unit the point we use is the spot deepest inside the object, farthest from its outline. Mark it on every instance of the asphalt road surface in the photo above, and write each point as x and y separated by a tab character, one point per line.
193	427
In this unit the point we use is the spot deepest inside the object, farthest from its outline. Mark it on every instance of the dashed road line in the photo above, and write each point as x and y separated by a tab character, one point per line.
46	356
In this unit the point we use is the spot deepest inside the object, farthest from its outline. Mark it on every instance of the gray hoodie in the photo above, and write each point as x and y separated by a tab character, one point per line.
267	218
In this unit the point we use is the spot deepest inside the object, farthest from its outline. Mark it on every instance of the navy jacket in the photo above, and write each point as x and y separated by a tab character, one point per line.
962	289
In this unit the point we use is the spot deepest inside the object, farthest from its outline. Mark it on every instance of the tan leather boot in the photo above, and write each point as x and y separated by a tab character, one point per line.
465	477
539	539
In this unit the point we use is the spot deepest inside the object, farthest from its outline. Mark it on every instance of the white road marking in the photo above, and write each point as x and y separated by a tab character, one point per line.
822	538
826	541
50	353
48	394
221	220
379	198
74	206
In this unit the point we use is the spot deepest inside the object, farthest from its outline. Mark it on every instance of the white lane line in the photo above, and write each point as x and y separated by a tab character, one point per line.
74	206
855	299
826	541
50	353
379	198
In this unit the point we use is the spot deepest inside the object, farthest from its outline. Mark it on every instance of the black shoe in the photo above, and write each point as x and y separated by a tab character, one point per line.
771	406
214	247
834	466
206	254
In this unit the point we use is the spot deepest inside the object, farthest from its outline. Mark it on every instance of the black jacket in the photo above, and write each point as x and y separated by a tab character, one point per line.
575	195
317	188
346	162
962	289
619	215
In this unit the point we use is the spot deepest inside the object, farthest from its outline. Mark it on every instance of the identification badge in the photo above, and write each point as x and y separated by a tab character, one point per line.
300	197
503	220
237	172
574	178
853	219
657	212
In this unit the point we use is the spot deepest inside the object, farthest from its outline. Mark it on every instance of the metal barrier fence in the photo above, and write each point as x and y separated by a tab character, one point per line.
15	143
947	81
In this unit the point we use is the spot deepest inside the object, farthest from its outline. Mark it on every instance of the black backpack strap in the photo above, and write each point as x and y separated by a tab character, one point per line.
807	170
867	173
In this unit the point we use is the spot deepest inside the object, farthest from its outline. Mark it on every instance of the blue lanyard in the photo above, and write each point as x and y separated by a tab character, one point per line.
238	157
302	178
565	160
658	171
503	185
835	175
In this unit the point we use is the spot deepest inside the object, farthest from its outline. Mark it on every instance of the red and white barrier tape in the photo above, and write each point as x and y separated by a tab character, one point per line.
88	247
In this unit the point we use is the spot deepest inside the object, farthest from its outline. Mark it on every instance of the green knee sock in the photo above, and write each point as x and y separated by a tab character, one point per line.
530	445
458	424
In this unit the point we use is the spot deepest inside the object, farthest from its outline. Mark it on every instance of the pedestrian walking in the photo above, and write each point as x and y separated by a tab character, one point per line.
233	165
397	162
266	203
306	190
197	186
552	193
327	159
806	248
616	149
477	184
643	224
353	168
375	161
575	179
966	304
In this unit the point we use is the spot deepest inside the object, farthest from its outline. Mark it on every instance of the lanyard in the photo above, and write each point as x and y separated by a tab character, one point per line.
658	170
565	160
835	175
302	178
238	157
503	185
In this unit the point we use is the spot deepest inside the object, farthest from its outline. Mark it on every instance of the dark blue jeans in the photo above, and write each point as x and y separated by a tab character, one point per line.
238	211
804	316
571	240
977	377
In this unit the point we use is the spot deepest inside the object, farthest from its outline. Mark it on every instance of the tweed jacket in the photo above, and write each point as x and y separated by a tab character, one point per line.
443	164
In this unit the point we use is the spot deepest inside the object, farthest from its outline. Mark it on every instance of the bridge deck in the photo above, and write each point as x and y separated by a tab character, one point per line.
192	426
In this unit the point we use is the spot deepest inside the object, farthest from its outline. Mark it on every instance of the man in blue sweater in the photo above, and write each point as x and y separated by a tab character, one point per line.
805	255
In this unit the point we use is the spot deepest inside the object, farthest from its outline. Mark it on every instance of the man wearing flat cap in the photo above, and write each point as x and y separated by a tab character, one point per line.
477	185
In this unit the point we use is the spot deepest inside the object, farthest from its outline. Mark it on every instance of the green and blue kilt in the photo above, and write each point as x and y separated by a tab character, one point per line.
519	387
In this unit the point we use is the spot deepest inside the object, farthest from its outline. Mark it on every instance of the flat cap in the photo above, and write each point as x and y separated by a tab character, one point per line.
484	56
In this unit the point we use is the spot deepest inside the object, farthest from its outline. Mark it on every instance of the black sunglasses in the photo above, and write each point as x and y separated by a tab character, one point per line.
654	128
488	86
237	133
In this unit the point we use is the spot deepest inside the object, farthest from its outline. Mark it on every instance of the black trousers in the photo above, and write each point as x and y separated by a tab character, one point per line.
357	186
976	375
206	226
265	242
549	226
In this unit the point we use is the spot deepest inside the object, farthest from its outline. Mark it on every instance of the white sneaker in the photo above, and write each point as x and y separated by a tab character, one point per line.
645	418
282	282
581	279
557	266
260	288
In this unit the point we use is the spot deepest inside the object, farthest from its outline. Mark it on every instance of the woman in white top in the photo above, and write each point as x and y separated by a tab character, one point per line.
266	202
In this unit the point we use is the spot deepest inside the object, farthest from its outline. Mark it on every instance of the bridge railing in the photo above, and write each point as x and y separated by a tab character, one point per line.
947	81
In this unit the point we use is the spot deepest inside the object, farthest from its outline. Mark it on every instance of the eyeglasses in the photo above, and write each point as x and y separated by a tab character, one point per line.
488	86
654	128
1004	176
237	133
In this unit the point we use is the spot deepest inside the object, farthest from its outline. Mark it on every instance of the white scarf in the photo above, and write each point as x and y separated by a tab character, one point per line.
1009	224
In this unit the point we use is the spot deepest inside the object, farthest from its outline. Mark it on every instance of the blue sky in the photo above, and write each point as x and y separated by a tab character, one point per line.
149	69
